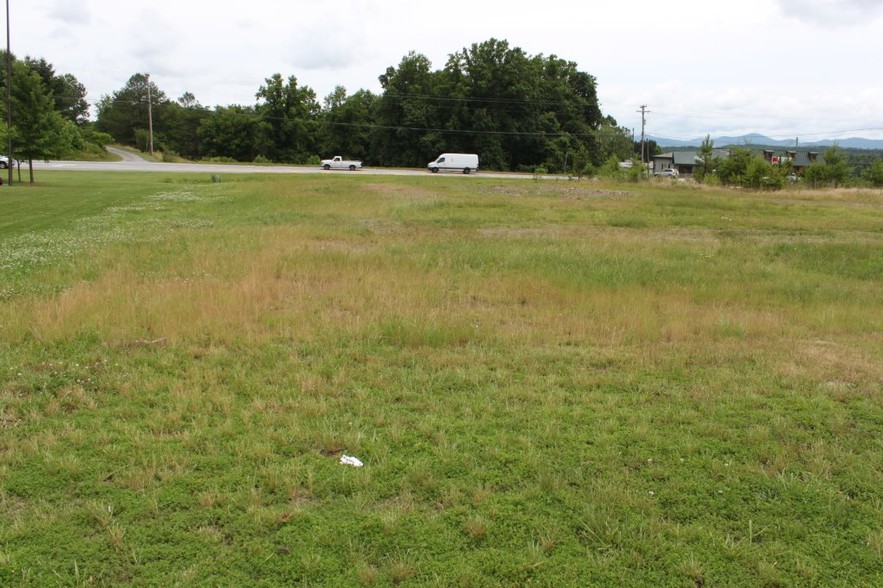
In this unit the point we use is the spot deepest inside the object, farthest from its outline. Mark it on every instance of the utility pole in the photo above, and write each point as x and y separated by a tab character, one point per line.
643	112
149	117
9	160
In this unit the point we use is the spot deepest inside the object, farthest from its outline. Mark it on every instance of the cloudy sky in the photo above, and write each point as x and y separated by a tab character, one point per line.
785	68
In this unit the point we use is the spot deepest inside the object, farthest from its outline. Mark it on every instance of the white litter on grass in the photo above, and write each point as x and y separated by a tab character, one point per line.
350	460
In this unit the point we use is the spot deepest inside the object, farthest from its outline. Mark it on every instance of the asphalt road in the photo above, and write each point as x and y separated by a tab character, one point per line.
132	163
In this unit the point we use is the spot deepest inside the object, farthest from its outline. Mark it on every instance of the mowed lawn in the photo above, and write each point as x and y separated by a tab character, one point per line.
556	383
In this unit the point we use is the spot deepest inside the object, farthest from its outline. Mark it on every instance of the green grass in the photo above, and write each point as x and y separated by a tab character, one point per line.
553	383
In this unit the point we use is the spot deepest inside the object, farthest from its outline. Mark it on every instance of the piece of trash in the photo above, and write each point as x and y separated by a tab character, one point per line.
350	460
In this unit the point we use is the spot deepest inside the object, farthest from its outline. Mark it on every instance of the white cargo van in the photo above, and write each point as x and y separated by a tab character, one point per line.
461	162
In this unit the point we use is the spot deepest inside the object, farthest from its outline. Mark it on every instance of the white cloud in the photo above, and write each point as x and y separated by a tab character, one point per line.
326	47
826	13
70	13
157	45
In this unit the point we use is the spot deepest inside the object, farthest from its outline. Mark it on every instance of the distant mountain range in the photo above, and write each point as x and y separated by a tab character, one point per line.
757	139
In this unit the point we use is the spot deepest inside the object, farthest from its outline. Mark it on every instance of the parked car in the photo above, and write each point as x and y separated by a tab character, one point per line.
667	173
4	162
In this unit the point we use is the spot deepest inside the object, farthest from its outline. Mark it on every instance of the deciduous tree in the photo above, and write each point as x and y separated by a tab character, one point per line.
38	130
230	131
287	116
68	94
180	124
347	124
406	111
126	110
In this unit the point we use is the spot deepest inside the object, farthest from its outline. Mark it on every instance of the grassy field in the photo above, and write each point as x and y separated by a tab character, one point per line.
549	383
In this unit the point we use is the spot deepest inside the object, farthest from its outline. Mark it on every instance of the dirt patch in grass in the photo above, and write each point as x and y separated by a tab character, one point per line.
831	362
400	191
562	190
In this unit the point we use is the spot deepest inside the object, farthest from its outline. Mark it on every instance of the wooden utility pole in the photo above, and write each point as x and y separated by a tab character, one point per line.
643	112
149	117
9	160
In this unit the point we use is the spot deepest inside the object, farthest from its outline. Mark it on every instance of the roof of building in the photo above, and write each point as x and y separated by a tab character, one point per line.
686	157
689	157
805	158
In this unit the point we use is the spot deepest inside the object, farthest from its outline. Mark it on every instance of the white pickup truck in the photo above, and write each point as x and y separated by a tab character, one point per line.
339	162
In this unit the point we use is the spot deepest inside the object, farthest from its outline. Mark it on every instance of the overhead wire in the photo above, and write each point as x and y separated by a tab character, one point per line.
708	115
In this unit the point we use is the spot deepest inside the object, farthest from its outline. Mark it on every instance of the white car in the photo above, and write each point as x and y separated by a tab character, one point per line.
667	173
4	162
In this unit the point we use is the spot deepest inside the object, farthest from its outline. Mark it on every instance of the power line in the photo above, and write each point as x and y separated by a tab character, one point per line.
442	130
527	101
778	136
451	101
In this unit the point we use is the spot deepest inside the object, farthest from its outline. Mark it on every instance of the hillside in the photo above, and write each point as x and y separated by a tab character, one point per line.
756	139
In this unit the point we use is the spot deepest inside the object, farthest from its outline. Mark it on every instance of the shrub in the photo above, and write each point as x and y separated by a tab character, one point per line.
142	140
874	174
634	173
610	168
588	171
833	172
772	182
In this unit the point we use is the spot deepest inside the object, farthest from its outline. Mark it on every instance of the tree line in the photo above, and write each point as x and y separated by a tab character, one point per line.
518	111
